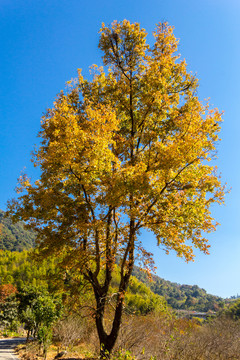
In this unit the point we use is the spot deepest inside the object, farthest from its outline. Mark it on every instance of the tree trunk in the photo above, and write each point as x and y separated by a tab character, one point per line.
107	341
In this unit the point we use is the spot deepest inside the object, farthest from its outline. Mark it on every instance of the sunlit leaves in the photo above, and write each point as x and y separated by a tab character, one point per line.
130	149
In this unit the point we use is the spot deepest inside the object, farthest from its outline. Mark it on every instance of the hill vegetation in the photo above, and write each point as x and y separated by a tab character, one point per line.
184	297
19	270
14	237
51	301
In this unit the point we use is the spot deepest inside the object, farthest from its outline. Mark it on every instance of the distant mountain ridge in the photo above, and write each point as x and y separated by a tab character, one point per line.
185	297
14	237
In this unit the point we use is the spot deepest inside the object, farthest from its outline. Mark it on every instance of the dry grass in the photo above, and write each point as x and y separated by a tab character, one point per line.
155	336
31	351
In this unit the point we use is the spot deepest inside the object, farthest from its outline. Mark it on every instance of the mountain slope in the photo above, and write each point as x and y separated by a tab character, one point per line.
14	237
186	297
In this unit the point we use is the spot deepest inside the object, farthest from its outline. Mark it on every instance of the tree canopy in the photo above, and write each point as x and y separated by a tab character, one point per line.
129	149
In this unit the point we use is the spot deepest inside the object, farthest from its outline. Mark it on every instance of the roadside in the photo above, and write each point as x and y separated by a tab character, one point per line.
7	348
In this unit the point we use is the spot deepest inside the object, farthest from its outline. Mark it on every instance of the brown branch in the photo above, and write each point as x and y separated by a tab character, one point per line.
85	192
109	260
117	55
97	255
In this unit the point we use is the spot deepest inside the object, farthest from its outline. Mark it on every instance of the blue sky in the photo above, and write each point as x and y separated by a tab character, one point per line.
44	42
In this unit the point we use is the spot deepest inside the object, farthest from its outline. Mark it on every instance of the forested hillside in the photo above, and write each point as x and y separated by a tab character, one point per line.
47	297
14	237
19	270
148	322
186	297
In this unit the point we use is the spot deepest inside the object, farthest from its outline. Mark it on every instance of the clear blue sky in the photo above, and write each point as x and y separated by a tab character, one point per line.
43	42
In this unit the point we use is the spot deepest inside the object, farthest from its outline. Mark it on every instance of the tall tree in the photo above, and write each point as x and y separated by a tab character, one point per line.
126	151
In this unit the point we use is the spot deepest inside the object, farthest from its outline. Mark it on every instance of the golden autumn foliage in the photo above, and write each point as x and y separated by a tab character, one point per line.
130	149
